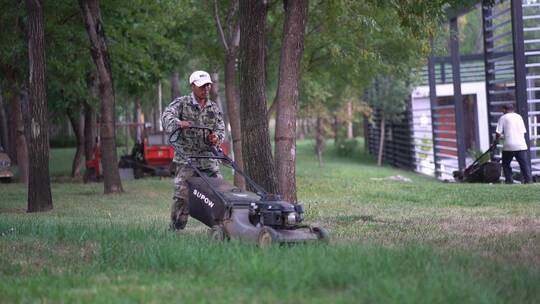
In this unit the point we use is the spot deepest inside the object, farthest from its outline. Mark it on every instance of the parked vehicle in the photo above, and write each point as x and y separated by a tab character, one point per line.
6	173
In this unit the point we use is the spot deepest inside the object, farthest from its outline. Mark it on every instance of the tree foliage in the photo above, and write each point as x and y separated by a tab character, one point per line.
347	44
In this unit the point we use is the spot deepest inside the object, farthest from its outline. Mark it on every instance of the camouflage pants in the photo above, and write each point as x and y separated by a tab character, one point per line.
179	207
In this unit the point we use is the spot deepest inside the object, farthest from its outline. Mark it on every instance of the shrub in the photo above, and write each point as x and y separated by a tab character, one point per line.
63	142
346	147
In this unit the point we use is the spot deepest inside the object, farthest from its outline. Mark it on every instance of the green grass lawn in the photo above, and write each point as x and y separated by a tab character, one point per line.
392	242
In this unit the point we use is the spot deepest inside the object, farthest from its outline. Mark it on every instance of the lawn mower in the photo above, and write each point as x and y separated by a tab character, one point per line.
481	171
231	212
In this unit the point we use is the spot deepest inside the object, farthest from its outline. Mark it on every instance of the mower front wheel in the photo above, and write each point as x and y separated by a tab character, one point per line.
322	234
267	237
217	233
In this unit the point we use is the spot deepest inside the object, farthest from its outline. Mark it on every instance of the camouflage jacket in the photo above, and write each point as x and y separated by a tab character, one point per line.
193	141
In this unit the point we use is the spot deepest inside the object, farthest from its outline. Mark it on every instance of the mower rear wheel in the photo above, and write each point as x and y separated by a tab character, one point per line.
138	172
267	237
217	233
5	180
322	234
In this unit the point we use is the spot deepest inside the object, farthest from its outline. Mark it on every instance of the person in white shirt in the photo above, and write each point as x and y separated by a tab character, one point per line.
512	128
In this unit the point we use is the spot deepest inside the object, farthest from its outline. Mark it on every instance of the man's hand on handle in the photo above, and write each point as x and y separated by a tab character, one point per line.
183	124
213	139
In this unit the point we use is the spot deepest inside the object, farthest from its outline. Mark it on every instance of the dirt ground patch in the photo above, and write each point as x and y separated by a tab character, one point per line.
485	227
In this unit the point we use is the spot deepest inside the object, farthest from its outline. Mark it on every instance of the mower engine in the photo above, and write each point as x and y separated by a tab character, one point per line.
277	214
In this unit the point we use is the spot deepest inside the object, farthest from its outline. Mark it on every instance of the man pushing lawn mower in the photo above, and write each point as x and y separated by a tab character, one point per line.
196	128
193	109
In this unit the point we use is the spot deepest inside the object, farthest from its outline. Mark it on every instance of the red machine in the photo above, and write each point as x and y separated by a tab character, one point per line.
93	166
156	151
153	157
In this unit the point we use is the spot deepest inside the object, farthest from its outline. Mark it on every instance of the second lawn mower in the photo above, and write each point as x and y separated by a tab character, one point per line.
484	169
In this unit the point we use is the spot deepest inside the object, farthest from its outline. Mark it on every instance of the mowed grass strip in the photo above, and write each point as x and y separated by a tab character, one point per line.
392	242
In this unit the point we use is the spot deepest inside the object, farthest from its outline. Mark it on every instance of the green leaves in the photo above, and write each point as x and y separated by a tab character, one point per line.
388	94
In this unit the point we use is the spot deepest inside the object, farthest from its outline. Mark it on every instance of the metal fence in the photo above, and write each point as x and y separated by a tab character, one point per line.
510	67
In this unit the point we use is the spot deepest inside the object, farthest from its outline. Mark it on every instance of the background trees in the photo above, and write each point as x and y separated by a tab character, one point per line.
388	95
346	45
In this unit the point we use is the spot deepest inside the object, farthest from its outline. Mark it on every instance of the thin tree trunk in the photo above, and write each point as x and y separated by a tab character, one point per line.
302	132
366	133
159	102
287	96
381	141
74	119
4	139
18	148
12	128
233	109
39	185
154	116
231	41
175	86
335	127
138	120
319	140
127	133
214	96
256	148
89	130
94	27
21	145
350	134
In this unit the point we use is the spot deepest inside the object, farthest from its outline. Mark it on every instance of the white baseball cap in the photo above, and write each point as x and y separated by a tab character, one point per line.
199	78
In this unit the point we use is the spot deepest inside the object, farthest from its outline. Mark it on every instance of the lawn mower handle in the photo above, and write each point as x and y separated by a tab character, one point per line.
172	141
218	154
491	148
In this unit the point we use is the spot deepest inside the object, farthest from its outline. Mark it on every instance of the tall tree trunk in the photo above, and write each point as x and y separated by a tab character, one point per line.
256	148
231	41
296	13
39	185
175	86
75	121
381	141
96	33
4	139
